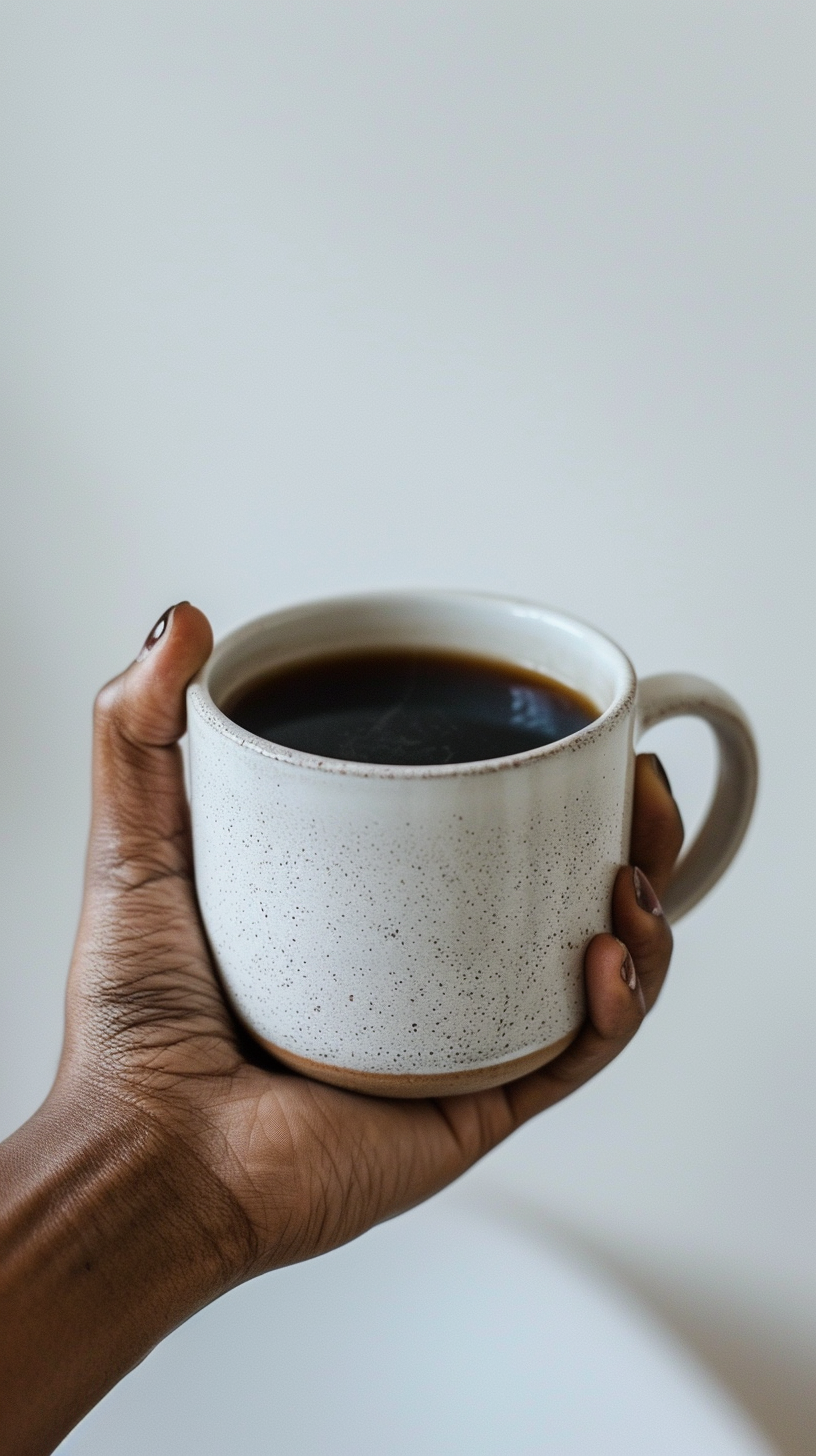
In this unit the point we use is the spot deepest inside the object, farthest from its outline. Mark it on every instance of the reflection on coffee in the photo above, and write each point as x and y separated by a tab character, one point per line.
409	707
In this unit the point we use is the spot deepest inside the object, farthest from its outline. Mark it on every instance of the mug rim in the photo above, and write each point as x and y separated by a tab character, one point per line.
200	698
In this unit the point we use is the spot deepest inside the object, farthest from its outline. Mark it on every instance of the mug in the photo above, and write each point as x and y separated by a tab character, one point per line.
419	931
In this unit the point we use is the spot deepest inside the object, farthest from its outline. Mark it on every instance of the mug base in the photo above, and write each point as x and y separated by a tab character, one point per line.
426	1084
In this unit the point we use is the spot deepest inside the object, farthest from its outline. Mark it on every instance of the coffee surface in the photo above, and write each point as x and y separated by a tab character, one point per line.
409	707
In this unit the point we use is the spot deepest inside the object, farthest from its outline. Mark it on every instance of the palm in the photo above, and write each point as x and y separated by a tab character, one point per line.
309	1165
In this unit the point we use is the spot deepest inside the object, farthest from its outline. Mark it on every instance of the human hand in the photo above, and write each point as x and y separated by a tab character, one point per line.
238	1166
304	1165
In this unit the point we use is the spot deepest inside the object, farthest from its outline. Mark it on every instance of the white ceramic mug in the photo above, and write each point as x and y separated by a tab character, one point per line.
413	931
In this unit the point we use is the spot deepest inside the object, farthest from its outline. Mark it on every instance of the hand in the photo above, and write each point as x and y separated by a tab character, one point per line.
243	1166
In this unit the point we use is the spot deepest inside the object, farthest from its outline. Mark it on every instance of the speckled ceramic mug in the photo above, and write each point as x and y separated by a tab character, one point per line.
415	931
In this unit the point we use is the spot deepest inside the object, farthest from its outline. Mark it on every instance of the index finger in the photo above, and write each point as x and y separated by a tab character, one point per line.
657	828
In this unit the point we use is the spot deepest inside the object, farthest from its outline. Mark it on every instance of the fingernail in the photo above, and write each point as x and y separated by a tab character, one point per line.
627	970
156	633
661	773
644	894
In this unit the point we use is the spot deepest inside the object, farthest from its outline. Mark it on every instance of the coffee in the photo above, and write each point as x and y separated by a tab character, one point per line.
404	706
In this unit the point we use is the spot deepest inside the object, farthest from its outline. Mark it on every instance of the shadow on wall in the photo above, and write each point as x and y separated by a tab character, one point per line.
765	1362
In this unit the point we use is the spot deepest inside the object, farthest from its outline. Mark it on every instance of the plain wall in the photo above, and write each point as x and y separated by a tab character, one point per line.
310	297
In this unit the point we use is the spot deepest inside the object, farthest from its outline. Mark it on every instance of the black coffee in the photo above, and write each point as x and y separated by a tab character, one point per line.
409	707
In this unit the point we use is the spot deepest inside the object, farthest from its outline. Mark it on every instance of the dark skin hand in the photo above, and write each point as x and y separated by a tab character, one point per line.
172	1159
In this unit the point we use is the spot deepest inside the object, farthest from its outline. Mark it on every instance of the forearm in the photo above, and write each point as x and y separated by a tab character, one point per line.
104	1249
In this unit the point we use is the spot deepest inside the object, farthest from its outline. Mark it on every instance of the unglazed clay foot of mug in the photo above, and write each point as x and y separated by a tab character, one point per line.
444	1084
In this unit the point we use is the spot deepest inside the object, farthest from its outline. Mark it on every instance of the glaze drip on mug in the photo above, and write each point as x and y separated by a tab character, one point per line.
409	707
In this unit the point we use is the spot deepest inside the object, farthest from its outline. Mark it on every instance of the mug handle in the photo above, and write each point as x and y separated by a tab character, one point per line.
682	695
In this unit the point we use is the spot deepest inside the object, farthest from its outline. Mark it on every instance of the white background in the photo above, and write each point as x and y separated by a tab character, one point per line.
308	297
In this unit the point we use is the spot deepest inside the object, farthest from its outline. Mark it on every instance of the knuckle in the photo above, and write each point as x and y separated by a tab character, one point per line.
648	938
108	704
659	950
643	939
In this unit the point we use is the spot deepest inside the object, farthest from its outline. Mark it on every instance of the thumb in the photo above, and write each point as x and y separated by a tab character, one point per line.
139	827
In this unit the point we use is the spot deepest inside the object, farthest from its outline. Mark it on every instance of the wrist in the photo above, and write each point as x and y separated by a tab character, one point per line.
111	1234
